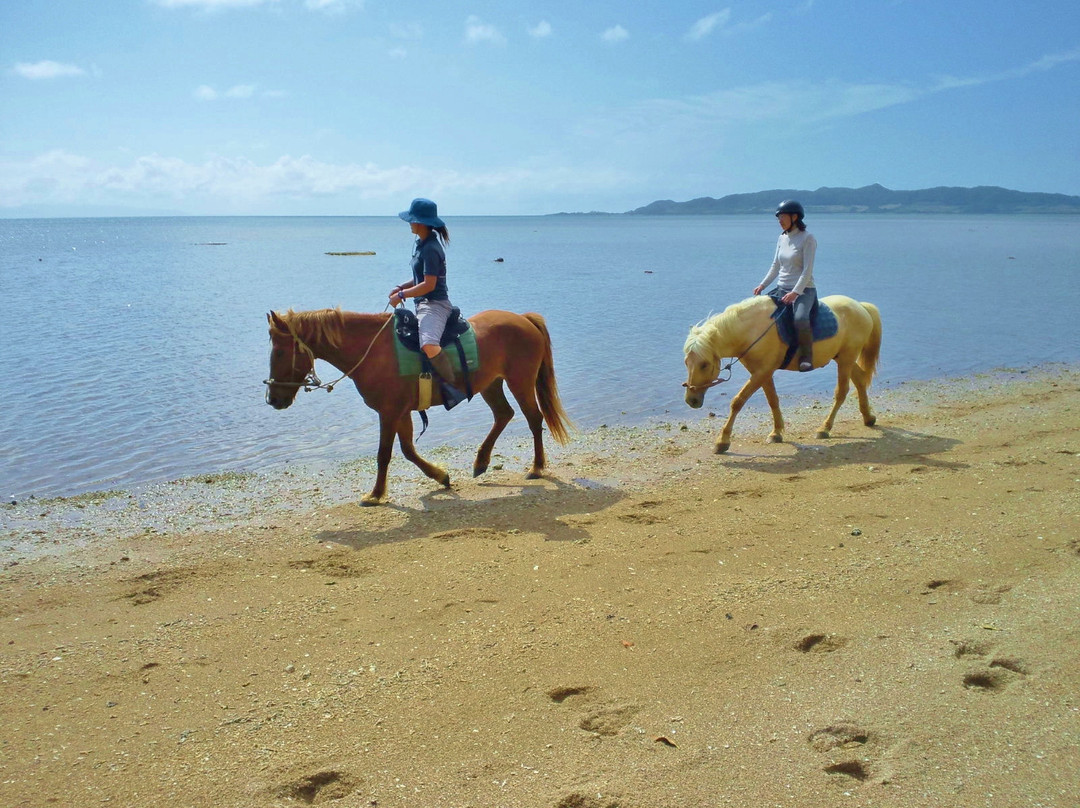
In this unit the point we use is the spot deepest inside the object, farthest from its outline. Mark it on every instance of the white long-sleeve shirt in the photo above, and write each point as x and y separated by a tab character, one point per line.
793	264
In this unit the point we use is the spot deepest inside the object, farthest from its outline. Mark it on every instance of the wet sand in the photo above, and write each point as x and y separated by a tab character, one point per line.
890	617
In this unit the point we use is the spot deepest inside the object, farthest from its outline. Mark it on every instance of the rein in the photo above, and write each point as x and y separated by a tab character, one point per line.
311	380
774	318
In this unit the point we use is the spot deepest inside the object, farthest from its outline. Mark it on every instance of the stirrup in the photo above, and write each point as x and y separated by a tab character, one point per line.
451	396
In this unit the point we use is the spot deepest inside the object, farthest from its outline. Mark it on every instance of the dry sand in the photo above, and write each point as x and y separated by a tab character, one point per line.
887	618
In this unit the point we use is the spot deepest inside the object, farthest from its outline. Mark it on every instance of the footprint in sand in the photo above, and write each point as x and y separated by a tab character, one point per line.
608	721
561	694
820	643
319	788
846	745
1001	672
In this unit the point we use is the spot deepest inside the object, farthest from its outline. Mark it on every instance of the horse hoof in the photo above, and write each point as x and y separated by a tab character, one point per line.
871	420
822	434
534	475
775	439
371	500
722	447
478	470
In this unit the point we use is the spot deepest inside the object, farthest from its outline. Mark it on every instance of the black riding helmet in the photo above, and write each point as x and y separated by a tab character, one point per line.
790	206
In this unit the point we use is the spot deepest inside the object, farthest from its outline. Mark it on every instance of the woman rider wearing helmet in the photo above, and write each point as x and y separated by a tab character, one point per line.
793	270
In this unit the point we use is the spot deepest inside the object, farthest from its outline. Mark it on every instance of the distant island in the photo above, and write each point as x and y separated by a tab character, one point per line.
872	199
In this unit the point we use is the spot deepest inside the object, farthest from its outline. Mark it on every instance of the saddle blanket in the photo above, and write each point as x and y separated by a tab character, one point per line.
407	343
822	321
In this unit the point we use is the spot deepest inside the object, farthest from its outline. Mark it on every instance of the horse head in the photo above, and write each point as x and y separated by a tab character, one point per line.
291	363
701	374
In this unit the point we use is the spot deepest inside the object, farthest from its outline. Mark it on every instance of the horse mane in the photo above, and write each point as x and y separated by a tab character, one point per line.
319	325
719	331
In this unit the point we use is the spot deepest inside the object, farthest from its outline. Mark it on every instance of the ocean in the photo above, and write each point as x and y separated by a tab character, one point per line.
136	348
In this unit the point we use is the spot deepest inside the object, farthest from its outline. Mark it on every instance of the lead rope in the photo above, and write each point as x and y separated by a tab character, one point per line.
775	317
330	387
312	381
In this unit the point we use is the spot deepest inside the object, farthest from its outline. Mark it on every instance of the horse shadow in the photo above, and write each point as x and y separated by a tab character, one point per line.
445	513
890	447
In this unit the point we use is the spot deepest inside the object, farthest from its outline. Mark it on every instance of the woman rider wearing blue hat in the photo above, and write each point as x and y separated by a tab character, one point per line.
793	270
428	287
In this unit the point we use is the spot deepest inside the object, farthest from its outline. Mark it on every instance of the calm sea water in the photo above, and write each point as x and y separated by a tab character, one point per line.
136	348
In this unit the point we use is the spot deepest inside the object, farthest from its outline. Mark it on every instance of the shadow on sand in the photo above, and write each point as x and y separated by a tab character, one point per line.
890	447
444	514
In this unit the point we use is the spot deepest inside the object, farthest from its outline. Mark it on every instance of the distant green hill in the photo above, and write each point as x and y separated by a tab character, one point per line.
874	199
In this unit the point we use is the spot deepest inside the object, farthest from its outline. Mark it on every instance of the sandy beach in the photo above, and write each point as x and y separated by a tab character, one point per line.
890	617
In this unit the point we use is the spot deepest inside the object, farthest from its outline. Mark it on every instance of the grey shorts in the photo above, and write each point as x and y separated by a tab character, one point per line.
432	316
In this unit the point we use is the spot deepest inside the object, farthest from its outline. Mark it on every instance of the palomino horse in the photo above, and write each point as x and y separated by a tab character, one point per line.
746	331
512	347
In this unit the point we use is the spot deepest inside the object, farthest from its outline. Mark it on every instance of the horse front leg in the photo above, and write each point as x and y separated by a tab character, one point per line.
777	434
387	430
723	442
408	449
843	379
503	413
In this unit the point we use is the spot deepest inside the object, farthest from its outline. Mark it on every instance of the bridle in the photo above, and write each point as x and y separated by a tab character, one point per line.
774	318
311	380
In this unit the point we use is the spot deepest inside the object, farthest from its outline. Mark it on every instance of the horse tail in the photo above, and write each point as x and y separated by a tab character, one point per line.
547	391
868	357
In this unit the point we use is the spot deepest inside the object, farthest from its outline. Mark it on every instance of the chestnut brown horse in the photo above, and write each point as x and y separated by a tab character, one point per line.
746	331
514	348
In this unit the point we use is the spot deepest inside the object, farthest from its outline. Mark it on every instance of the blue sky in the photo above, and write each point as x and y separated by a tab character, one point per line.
353	107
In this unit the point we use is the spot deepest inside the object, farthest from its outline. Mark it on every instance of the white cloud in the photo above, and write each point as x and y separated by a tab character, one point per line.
205	92
62	178
211	5
540	30
615	33
706	25
398	53
240	91
333	6
47	69
478	31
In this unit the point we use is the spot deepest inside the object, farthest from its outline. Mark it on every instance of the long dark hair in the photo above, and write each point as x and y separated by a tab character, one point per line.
444	234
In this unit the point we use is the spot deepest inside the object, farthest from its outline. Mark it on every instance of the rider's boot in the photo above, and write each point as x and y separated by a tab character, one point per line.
444	369
806	347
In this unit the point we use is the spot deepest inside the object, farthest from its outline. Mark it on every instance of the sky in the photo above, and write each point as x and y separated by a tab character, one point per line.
500	107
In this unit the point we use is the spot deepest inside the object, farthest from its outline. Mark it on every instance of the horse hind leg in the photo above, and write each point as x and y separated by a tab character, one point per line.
843	379
860	378
503	413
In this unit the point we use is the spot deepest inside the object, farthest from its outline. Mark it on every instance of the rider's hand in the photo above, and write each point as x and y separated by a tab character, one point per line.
789	298
757	290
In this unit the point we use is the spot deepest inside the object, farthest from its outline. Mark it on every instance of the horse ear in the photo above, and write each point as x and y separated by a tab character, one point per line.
276	322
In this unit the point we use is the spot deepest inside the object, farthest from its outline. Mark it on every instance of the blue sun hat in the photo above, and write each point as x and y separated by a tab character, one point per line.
423	211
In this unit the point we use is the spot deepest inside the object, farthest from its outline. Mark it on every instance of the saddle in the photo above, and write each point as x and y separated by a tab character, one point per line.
407	328
412	361
823	324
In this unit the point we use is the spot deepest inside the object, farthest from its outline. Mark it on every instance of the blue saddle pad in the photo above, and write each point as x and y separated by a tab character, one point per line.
822	321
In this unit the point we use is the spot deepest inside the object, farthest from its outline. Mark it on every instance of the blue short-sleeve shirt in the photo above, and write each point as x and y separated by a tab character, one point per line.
429	258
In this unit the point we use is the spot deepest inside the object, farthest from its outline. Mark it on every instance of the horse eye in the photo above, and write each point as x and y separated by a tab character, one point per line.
703	366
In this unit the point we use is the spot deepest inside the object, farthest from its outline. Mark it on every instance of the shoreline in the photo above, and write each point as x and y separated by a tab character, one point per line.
229	500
